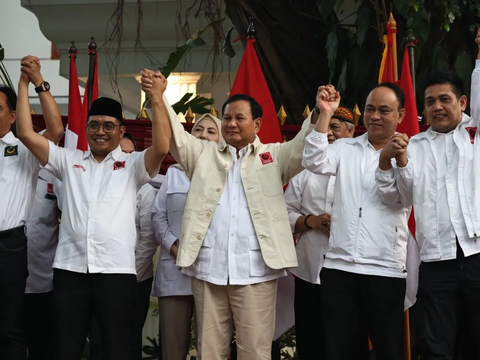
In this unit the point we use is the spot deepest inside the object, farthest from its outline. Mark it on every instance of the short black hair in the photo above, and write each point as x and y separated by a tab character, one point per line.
129	136
399	94
255	107
11	97
445	77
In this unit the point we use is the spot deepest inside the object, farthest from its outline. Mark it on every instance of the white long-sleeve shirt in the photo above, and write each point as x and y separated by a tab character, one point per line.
309	193
230	253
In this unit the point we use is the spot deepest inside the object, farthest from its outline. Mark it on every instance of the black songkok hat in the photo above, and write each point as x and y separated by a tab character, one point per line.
107	107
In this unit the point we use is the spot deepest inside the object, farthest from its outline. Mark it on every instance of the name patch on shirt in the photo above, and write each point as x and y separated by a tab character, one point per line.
471	132
11	150
266	158
118	165
76	166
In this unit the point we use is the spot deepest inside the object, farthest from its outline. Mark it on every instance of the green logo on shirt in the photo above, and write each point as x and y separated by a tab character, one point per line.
11	151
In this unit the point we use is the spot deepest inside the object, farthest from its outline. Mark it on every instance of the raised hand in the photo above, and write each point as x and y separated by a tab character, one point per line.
31	67
328	99
395	148
153	83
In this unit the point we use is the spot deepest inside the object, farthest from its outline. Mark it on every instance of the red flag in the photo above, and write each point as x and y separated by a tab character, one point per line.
386	67
83	138
409	125
76	121
250	81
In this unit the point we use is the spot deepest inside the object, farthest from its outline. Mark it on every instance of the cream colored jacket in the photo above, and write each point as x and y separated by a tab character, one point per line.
206	163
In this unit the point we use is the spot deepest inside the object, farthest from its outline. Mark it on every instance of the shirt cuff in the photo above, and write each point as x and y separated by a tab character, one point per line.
405	171
293	217
169	241
385	175
318	136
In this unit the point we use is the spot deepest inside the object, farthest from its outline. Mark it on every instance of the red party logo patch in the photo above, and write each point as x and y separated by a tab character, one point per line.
118	165
266	158
76	166
49	188
471	132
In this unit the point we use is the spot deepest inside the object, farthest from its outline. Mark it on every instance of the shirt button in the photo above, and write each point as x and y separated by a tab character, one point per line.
209	214
218	189
199	237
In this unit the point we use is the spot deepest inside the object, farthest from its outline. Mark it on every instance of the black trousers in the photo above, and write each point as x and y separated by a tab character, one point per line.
349	300
39	326
142	305
448	308
109	297
309	324
13	277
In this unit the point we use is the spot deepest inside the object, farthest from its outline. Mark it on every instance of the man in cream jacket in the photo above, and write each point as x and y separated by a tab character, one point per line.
235	239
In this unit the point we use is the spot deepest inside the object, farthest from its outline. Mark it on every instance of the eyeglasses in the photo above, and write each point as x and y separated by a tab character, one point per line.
108	127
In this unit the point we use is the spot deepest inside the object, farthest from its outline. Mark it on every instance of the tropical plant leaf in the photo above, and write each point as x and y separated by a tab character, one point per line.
198	104
227	44
332	49
195	41
325	7
363	22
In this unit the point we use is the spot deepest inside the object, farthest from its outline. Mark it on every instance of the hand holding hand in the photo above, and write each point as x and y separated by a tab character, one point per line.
328	99
153	83
31	67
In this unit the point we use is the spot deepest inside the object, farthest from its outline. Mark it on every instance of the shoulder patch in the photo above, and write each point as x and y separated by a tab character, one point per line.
11	150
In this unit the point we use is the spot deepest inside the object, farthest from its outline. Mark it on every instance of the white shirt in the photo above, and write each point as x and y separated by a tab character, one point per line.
450	220
167	213
367	236
146	243
97	232
230	253
309	193
42	229
18	180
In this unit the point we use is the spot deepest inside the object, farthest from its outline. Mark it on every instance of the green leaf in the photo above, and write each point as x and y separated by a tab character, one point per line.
325	7
363	22
338	5
332	49
195	41
342	80
447	26
198	104
402	7
227	44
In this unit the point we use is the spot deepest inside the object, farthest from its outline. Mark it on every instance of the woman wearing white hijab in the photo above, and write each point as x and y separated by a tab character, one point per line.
173	289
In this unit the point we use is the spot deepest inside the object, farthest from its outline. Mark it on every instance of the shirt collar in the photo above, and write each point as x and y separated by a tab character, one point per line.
9	138
253	145
115	154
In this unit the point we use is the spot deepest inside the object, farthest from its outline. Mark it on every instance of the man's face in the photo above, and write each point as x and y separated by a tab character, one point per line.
238	126
382	114
443	108
104	134
127	145
7	116
339	129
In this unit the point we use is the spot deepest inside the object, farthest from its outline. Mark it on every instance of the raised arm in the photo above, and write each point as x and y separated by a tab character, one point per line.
475	87
51	112
36	143
184	147
318	156
161	131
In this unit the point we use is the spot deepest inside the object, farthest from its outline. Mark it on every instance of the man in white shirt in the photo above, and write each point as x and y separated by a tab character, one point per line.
94	267
439	180
236	240
309	199
18	179
363	277
43	229
145	249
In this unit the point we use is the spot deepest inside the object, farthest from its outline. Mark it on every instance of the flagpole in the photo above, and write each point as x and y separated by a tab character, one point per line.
411	54
393	28
251	31
72	50
92	52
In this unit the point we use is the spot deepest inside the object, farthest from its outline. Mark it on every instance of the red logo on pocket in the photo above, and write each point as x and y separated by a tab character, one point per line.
471	132
118	165
75	166
266	158
49	188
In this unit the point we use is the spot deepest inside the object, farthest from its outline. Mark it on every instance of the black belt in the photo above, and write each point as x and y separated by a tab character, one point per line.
18	231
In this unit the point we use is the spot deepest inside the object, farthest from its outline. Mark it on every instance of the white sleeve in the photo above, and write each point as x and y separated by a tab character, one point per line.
318	156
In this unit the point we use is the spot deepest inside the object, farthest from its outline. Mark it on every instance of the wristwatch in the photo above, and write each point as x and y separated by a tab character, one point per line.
44	86
316	109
